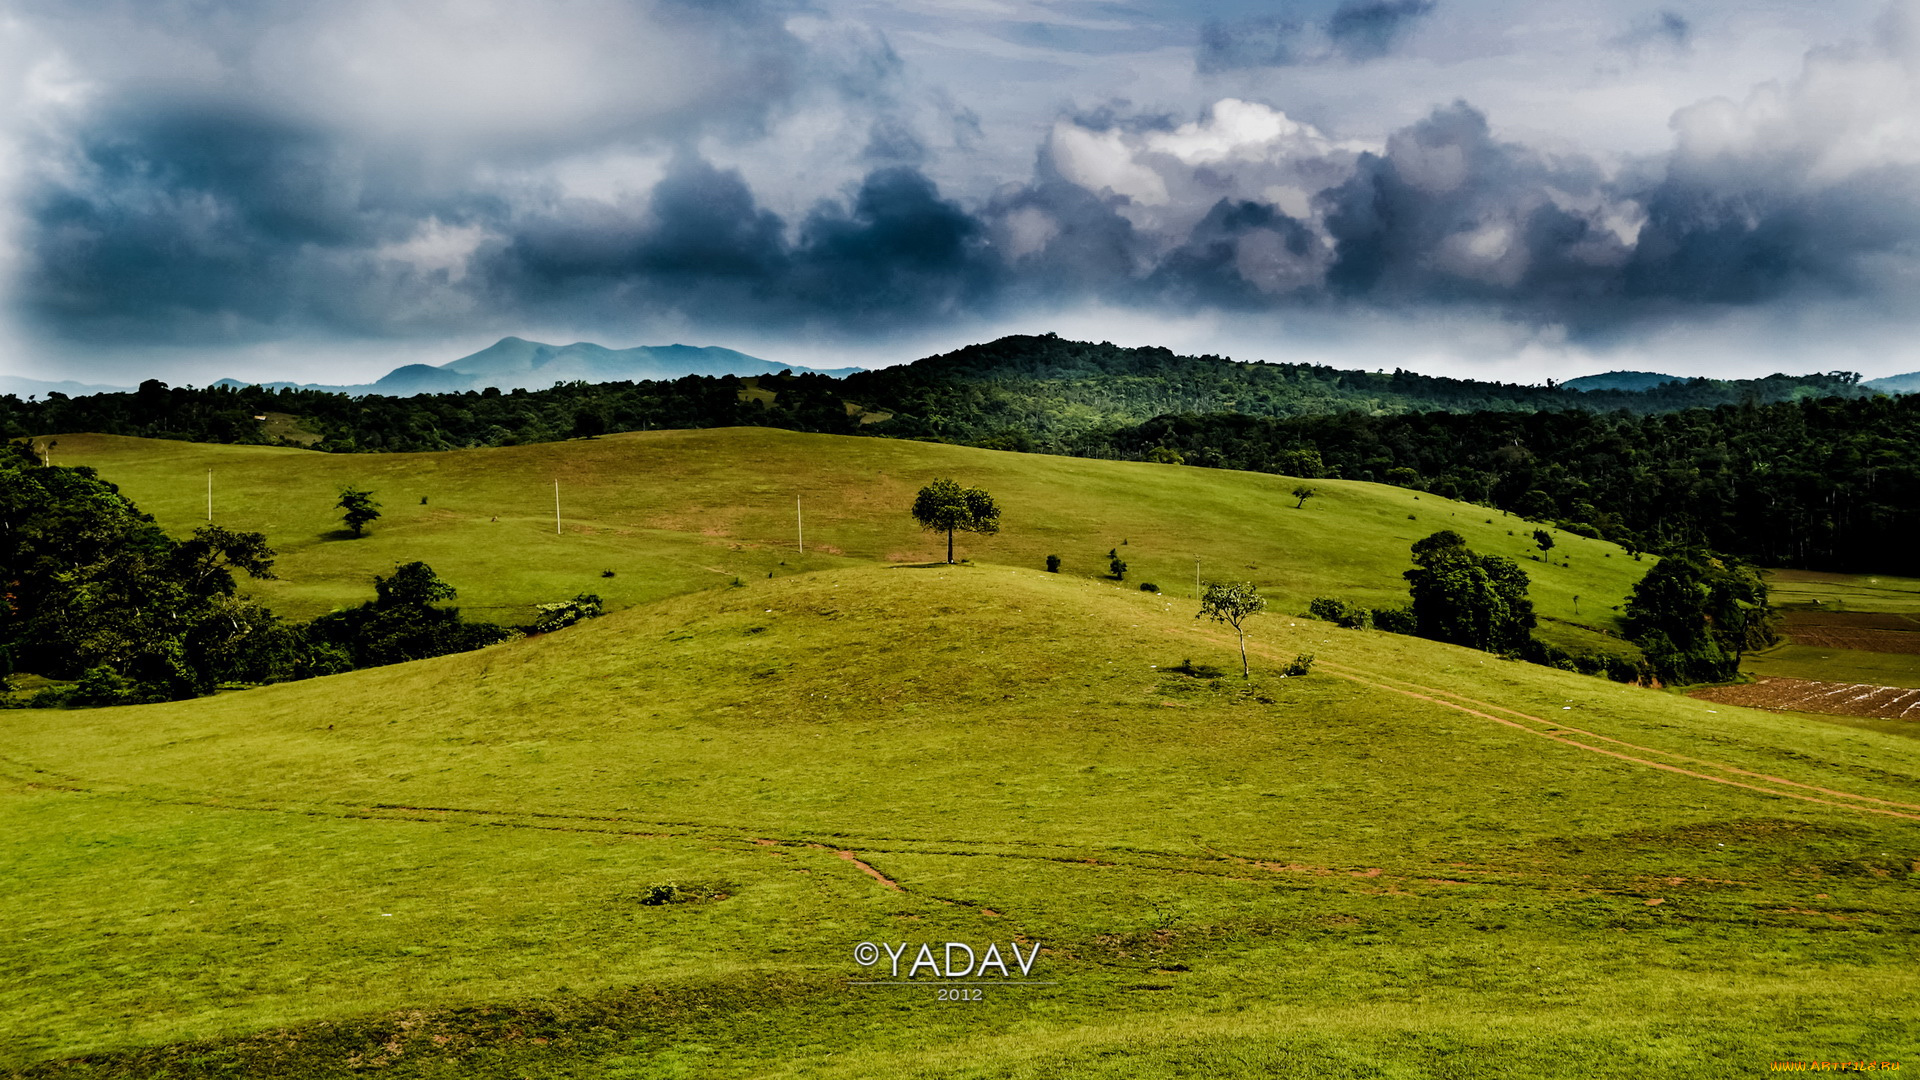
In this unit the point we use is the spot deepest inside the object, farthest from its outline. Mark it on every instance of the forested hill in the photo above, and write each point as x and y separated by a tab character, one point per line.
1025	392
1047	393
1832	484
1811	471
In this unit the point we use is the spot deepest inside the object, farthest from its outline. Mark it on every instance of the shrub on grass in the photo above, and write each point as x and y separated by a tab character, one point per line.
1341	613
565	613
1397	620
1148	586
1301	665
1053	564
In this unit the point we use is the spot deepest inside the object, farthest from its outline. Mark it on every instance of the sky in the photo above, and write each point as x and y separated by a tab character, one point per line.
192	189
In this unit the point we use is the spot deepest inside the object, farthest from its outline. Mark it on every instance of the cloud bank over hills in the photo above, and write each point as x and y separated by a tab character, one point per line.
219	176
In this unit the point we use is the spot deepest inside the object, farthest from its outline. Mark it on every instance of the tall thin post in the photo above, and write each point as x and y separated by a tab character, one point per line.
556	506
799	525
209	496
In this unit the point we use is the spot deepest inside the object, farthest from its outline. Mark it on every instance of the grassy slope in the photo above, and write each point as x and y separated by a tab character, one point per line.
1334	874
674	511
1835	665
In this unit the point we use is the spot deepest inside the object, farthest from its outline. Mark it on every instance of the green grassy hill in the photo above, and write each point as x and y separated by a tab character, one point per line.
671	512
1416	861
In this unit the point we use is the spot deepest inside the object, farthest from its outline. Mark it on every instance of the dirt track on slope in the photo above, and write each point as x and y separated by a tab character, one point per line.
1702	768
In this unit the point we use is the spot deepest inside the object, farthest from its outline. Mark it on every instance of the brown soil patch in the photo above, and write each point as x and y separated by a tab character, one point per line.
1867	631
871	872
1808	695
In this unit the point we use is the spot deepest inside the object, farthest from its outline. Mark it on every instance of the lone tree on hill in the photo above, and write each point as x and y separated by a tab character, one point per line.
1303	493
1544	539
1231	604
359	507
945	506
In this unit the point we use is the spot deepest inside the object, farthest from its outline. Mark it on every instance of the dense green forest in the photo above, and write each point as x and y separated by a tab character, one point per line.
1029	393
1807	471
1825	484
1047	393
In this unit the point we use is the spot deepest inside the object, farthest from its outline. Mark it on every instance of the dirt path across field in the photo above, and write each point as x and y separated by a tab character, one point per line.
1556	731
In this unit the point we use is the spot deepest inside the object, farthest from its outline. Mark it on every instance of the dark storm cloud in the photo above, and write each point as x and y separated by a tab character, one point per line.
205	214
1357	31
209	222
1369	29
1450	213
892	253
227	179
889	141
1211	268
1259	42
200	225
1664	30
1709	245
1062	242
700	226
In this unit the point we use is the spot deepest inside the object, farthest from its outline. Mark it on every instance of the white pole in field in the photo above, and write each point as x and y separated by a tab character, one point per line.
556	507
799	525
209	496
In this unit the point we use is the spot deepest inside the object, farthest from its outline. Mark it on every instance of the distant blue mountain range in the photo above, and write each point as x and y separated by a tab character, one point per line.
1647	380
1896	384
518	364
509	364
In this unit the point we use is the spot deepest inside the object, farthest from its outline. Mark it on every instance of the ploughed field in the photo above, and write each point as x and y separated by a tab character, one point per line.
1863	631
1851	648
653	844
1809	695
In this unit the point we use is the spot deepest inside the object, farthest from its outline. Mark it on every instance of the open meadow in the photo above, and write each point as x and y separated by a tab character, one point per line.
674	511
652	845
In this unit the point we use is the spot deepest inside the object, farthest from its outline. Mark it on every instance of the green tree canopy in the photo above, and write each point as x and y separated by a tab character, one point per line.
1696	616
1479	601
358	507
945	506
401	622
91	583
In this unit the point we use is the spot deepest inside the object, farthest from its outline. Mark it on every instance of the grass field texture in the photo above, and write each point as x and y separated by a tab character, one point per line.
675	511
1416	861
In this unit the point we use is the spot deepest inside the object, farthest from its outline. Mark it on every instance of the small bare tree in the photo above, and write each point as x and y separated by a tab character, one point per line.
1231	603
